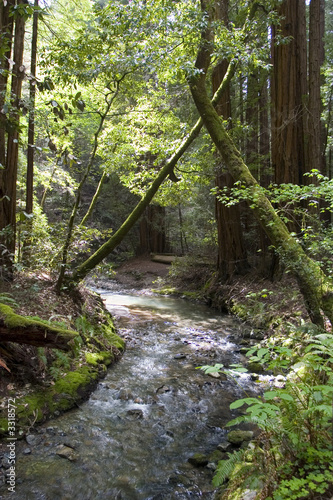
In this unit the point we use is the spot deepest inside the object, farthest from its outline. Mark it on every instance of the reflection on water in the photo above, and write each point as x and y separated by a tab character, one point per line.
153	410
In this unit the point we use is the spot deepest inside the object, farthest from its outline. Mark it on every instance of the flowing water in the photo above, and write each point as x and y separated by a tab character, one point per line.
153	410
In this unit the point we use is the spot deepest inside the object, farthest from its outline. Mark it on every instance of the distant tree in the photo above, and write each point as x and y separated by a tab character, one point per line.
11	125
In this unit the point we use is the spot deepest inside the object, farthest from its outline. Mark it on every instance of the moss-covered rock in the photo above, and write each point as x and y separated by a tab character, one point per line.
97	358
254	367
238	437
198	460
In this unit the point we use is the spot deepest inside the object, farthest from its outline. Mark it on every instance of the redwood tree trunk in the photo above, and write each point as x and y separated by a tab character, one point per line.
289	89
152	231
31	126
316	60
6	34
9	174
231	250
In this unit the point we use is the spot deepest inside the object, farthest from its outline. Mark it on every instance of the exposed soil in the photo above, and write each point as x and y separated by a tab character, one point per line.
138	273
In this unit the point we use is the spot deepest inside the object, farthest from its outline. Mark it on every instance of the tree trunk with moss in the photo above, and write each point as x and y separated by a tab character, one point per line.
316	288
23	330
94	199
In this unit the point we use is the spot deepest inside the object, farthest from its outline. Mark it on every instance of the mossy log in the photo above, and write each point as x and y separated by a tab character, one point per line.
25	330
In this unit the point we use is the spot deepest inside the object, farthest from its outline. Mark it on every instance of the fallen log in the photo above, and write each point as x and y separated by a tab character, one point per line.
25	330
164	258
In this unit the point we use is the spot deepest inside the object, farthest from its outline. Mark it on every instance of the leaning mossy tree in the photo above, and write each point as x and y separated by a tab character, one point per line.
316	287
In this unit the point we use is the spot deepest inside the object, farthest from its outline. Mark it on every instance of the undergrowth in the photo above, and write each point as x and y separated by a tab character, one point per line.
292	458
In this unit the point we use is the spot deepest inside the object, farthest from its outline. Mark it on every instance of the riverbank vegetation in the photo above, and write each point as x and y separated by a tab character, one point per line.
196	129
65	347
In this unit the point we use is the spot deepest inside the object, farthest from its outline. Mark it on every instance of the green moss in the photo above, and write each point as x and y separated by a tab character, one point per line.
96	358
166	290
67	391
112	337
71	388
13	320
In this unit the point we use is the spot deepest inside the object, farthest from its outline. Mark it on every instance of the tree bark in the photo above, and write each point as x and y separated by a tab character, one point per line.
31	139
6	34
316	288
316	60
31	124
289	90
152	231
231	257
9	174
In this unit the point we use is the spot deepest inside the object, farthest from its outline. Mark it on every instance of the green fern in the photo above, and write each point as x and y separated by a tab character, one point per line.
62	359
226	467
295	449
7	298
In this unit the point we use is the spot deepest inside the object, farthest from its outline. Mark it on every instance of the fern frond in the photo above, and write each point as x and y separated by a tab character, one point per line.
226	467
7	298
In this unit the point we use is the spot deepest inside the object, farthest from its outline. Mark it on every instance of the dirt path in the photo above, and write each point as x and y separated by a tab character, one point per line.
141	272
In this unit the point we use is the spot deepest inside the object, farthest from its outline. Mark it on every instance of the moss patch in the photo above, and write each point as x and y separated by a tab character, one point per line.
38	406
95	359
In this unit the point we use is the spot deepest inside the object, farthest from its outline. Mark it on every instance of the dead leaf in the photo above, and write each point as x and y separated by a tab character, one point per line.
2	363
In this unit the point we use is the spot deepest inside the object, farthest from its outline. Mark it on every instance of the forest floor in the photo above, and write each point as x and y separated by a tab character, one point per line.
141	272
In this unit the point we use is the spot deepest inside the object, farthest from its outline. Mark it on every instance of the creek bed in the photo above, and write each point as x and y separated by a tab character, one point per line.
131	440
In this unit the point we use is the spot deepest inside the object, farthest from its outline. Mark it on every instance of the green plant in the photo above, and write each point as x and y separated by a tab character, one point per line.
83	325
6	298
293	454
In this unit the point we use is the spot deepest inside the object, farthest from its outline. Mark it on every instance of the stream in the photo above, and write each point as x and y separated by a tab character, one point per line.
153	410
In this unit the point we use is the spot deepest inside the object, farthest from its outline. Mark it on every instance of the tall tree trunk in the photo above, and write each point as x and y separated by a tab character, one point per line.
6	34
31	138
31	124
9	174
316	288
231	249
316	60
153	231
264	171
289	89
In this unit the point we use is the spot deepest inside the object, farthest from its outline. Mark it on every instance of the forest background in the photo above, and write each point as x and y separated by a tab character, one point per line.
103	152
